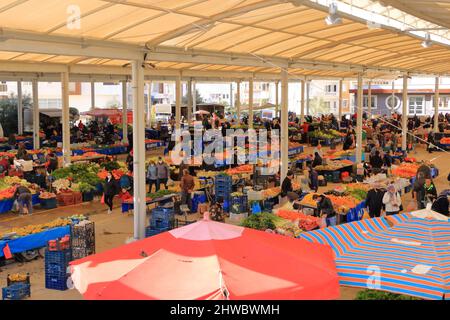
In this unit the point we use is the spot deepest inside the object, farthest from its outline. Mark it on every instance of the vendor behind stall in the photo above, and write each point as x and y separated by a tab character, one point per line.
325	208
286	186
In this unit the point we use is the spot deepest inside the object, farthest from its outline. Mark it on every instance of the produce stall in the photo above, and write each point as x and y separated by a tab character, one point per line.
7	191
33	237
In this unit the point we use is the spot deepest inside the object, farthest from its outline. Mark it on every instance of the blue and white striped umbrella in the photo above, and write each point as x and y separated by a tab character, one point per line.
410	257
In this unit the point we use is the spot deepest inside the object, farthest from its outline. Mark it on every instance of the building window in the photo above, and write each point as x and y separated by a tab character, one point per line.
344	103
444	102
331	88
50	103
3	87
366	102
416	105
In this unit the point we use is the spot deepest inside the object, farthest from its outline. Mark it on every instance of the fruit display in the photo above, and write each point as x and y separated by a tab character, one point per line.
246	168
343	203
206	174
328	134
7	193
406	170
293	145
10	180
334	165
117	173
445	140
17	277
308	201
47	195
32	229
290	229
271	192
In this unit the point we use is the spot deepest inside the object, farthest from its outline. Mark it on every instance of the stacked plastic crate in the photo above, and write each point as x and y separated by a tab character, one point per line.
56	263
223	185
82	239
161	219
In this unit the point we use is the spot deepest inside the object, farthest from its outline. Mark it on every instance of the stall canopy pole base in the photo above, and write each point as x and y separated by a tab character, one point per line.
138	150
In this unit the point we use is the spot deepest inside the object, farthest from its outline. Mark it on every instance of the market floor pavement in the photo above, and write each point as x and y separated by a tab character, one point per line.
114	230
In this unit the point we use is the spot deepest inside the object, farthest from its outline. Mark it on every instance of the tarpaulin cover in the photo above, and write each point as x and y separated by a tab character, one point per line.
205	259
34	241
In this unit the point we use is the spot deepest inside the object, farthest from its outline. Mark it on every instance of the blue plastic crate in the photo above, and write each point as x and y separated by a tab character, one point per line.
56	282
16	291
56	268
223	178
63	256
149	231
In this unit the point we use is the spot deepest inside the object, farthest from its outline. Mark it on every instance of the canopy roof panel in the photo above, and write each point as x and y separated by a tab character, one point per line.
231	35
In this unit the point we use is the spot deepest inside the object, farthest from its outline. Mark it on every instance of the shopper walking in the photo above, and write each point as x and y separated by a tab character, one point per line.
111	189
374	201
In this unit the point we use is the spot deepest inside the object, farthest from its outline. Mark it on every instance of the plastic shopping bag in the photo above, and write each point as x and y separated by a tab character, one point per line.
170	182
102	201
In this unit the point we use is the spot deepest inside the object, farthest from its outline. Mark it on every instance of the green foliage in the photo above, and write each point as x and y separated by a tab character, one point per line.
85	187
259	221
381	295
110	165
159	194
81	173
8	113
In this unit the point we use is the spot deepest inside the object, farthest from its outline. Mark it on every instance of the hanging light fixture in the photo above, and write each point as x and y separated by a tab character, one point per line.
427	42
333	17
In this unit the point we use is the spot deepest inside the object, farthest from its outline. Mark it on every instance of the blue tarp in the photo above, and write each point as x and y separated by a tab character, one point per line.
7	205
34	241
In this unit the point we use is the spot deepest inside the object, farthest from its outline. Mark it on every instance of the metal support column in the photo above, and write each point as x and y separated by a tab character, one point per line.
138	150
284	145
19	108
194	98
436	105
369	99
124	112
302	102
359	118
277	100
308	87
237	104
178	97
340	102
250	103
36	128
405	111
92	94
190	99
149	105
65	118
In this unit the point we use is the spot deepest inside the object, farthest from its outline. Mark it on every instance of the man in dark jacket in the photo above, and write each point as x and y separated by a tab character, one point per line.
110	190
286	186
374	201
324	205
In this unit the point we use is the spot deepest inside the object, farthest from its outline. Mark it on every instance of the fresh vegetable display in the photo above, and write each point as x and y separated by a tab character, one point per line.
78	177
160	193
246	168
32	229
445	140
61	185
47	195
406	170
328	134
259	221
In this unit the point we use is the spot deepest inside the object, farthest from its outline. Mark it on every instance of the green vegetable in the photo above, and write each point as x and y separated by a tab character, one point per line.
260	221
381	295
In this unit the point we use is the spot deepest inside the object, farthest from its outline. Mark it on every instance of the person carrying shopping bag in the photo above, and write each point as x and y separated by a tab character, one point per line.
111	189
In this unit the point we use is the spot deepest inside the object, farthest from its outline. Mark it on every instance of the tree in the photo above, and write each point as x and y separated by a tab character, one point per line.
198	98
8	113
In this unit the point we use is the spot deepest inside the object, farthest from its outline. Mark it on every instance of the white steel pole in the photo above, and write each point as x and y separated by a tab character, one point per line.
340	102
393	97
369	99
359	120
284	148
65	118
405	112
231	94
92	94
149	105
138	150
36	142
238	100
194	97
308	86
277	84
436	105
302	102
250	103
124	112
19	108
190	101
178	97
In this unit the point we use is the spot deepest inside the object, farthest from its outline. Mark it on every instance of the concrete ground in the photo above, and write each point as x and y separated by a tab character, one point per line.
113	230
